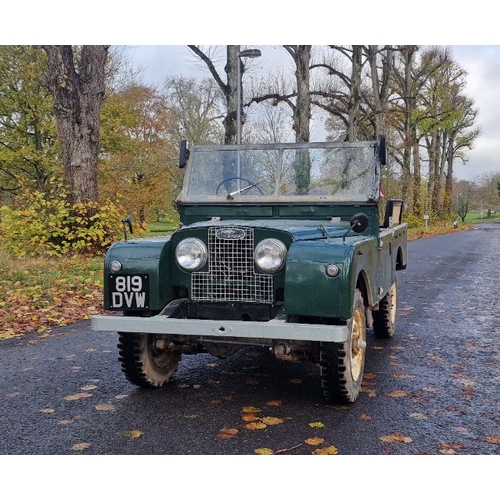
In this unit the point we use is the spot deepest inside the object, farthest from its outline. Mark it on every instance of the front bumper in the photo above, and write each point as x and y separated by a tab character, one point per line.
275	329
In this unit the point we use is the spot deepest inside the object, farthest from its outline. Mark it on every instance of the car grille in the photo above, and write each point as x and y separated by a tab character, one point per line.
231	276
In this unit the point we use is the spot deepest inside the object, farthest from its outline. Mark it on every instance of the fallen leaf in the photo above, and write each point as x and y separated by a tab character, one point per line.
316	424
131	434
451	448
250	409
121	396
263	451
254	426
89	387
469	392
196	386
80	395
329	450
47	410
429	389
104	407
249	417
434	357
364	416
397	394
314	441
226	433
396	437
492	439
369	376
275	402
272	420
296	381
65	422
192	416
80	446
418	416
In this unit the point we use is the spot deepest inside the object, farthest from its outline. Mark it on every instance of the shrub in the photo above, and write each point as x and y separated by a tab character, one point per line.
47	224
413	220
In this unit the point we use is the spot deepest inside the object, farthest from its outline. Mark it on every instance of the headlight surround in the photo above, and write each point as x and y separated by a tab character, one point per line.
191	254
270	255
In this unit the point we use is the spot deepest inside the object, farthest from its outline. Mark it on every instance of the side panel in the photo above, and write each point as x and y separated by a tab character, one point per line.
392	242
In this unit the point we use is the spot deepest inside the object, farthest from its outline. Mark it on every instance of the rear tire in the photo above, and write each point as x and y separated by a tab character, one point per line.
142	363
384	320
342	364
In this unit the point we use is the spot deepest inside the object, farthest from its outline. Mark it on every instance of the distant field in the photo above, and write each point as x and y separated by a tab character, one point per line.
477	217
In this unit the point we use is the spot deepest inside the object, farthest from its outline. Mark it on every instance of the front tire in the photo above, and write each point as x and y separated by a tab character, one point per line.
384	320
342	364
142	363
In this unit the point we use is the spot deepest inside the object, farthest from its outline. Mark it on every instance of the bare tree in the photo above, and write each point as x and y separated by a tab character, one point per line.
197	108
228	87
298	99
340	95
78	87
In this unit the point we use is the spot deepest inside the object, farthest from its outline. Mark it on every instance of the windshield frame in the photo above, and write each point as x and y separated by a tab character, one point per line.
256	195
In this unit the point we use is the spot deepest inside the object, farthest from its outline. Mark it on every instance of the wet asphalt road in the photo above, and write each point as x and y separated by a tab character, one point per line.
432	389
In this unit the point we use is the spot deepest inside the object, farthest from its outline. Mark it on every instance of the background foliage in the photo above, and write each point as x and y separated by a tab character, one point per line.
414	94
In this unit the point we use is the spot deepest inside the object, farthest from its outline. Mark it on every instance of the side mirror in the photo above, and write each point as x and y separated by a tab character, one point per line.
183	154
359	222
382	150
127	222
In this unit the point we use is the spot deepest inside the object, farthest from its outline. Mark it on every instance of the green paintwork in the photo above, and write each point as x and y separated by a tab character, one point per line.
145	256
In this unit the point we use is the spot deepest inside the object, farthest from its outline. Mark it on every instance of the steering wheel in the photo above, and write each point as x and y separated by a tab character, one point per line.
250	183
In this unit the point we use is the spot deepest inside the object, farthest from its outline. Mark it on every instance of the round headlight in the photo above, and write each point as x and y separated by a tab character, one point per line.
115	266
270	255
191	254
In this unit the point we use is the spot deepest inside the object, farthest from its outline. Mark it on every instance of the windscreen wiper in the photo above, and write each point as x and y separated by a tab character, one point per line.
242	190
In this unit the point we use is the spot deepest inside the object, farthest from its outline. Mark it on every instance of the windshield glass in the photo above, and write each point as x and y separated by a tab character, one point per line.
330	171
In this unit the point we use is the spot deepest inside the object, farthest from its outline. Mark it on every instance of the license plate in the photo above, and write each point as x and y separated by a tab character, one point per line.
128	291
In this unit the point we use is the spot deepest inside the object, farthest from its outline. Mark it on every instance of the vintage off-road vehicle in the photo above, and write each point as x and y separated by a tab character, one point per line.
278	245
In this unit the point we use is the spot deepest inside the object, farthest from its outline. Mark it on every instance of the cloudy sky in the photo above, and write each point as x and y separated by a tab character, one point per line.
482	62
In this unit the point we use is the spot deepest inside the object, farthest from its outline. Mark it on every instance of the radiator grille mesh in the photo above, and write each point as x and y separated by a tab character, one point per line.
231	276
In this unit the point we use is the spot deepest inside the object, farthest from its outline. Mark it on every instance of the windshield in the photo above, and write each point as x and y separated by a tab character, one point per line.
326	171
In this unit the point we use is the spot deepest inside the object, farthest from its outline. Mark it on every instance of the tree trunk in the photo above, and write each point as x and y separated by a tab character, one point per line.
229	89
355	98
417	180
448	189
301	55
410	135
380	84
231	69
78	90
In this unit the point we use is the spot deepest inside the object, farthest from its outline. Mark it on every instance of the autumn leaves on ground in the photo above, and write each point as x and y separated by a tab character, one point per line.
39	294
